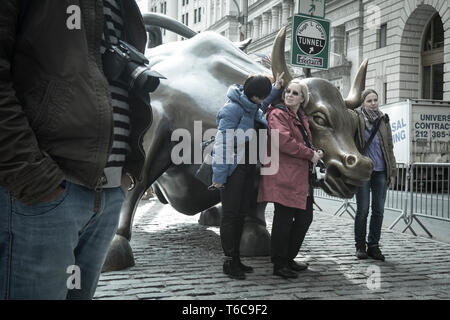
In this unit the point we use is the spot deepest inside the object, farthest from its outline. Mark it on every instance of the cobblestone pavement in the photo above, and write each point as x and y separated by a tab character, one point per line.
176	258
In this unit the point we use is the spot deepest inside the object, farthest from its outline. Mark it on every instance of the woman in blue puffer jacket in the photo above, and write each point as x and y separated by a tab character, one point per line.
233	172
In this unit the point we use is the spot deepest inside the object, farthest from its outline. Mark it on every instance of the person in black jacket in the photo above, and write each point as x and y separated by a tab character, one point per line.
69	146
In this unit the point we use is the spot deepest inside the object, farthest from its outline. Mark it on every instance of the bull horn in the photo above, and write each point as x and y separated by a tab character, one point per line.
354	97
278	60
165	22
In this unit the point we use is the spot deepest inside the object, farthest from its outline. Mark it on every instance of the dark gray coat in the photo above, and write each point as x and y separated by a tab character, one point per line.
55	105
385	135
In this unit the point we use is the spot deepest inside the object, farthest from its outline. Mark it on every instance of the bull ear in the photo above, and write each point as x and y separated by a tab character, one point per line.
354	97
243	44
278	59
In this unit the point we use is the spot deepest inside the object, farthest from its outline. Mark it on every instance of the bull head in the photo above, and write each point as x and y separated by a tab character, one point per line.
332	126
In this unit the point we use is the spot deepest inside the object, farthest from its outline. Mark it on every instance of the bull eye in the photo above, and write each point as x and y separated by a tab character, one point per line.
320	119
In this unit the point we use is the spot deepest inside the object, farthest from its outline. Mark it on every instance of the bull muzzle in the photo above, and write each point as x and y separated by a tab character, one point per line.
344	176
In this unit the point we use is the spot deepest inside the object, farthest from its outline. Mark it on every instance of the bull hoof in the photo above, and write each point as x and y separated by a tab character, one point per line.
120	255
210	217
255	240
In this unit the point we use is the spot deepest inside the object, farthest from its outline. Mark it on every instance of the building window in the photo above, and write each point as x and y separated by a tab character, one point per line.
185	19
199	14
195	15
165	7
183	3
433	60
382	36
347	43
385	88
434	35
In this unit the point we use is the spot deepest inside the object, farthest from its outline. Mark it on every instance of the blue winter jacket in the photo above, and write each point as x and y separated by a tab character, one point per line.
238	113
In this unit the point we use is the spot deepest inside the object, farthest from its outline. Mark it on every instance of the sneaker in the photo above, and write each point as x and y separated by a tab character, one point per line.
232	269
297	266
361	253
375	253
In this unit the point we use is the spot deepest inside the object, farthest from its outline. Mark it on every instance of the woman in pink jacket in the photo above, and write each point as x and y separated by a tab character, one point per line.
290	189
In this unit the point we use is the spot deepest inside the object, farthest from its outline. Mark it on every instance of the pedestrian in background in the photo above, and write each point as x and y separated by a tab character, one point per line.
371	121
236	178
290	189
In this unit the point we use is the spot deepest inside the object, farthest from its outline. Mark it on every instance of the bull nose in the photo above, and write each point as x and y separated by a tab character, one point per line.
350	161
353	162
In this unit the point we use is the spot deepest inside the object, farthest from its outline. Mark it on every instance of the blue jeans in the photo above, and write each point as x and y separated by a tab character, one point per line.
378	185
56	250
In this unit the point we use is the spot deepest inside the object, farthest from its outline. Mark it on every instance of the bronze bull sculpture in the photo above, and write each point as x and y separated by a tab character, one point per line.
199	72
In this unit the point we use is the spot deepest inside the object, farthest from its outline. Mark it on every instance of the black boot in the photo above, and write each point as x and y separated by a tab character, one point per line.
361	252
375	253
232	268
285	272
246	269
297	266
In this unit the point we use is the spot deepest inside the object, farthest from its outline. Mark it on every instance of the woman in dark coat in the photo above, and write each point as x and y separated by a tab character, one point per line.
289	189
381	152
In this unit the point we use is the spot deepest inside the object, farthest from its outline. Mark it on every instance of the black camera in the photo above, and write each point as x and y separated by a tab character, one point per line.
125	64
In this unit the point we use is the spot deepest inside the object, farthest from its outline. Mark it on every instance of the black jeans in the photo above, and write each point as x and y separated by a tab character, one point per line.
238	198
289	228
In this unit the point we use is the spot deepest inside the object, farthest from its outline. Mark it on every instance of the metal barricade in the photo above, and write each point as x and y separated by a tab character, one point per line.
394	198
429	194
346	207
420	190
398	195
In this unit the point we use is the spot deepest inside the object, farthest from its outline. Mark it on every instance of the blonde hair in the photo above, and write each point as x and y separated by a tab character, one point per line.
293	81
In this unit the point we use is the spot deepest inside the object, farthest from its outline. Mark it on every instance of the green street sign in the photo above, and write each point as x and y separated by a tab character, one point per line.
310	42
312	7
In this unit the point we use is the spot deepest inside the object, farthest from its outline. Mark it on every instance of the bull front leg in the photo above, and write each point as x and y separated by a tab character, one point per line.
255	240
120	254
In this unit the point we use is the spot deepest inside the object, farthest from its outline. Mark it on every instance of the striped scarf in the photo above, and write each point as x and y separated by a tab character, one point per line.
119	99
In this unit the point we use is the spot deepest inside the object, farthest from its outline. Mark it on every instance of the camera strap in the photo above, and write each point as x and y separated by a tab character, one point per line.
305	134
372	135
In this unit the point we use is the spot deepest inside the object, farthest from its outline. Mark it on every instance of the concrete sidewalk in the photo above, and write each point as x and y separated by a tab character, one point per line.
176	258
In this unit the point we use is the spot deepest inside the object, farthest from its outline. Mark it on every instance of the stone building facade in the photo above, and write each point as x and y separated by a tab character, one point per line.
189	12
407	42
